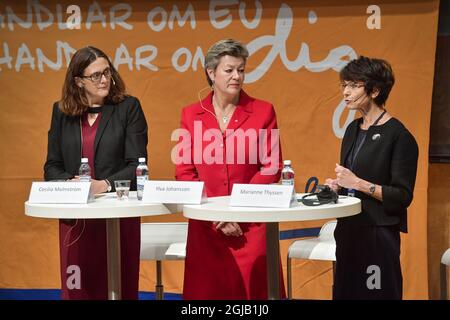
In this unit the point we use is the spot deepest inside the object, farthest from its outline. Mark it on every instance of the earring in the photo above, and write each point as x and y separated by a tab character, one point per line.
114	83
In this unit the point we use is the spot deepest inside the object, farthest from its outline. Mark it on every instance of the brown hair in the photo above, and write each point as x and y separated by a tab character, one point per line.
73	99
375	73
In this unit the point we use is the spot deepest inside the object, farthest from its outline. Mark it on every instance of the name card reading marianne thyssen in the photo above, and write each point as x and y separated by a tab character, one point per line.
261	195
59	192
180	192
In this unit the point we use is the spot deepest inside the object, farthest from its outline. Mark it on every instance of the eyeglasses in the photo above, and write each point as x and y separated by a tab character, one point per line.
351	85
97	76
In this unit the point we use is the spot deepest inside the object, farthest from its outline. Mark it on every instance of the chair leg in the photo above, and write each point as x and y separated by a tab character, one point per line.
289	278
444	295
159	288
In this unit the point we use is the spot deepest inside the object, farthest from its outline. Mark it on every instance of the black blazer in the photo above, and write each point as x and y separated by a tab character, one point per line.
389	161
120	140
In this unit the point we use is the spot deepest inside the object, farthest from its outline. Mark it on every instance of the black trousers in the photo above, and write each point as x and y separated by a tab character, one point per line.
367	262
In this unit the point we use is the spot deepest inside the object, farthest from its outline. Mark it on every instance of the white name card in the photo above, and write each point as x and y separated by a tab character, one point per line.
181	192
59	192
262	195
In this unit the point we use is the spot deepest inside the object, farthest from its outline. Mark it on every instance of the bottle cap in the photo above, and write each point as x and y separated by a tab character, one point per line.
287	162
84	160
141	159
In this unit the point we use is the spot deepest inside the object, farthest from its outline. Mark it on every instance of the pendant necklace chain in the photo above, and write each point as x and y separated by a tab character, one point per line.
225	117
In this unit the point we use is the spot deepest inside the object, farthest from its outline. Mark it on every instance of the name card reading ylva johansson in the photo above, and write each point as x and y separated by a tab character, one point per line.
262	195
180	192
59	192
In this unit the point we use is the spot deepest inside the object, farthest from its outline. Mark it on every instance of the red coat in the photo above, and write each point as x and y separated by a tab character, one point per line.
219	266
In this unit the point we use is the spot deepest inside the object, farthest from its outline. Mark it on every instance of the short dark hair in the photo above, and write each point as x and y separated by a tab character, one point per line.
73	100
226	47
375	73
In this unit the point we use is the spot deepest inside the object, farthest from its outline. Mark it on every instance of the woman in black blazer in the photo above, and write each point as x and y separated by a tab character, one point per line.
378	165
95	118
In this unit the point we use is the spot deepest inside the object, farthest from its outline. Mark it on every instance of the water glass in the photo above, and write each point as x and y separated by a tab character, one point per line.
122	189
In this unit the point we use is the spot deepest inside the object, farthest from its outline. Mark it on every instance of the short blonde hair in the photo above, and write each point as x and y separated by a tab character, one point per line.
226	47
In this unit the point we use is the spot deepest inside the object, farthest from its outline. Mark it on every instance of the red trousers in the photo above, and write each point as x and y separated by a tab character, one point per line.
83	254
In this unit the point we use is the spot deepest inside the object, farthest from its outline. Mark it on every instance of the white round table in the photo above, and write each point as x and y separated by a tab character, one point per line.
218	209
105	206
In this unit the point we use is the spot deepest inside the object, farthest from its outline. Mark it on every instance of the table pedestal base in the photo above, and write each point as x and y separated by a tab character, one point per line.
114	259
273	260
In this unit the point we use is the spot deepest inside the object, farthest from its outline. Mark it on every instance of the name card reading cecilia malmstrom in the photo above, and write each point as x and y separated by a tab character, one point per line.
181	192
59	192
261	195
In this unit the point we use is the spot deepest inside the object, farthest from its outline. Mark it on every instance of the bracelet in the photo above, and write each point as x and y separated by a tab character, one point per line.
109	188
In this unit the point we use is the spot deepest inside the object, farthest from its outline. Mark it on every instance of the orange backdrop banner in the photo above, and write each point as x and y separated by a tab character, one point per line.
296	51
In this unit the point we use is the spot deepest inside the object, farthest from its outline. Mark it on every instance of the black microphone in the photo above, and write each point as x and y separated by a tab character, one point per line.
362	94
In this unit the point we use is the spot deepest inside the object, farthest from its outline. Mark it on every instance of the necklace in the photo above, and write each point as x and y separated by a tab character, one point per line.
95	110
225	117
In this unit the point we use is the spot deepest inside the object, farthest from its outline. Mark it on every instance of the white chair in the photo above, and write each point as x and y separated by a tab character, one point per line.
163	241
322	247
445	261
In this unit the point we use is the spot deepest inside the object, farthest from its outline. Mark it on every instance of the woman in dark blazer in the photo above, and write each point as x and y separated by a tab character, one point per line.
96	119
378	165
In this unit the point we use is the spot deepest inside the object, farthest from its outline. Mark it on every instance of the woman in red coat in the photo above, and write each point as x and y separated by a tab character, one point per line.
233	139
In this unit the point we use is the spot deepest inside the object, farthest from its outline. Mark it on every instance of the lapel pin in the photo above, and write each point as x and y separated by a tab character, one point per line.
376	136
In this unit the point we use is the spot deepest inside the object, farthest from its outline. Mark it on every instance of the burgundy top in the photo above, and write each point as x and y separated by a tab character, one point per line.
87	140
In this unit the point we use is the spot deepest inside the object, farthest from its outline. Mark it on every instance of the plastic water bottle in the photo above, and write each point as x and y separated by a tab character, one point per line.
141	177
85	170
287	178
287	174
